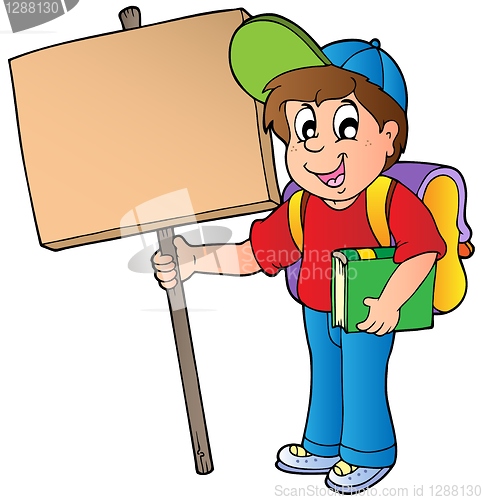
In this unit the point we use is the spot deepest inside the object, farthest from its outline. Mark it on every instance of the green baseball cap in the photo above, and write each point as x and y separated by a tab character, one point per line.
266	46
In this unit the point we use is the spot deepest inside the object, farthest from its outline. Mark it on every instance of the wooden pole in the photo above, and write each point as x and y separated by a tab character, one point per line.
131	18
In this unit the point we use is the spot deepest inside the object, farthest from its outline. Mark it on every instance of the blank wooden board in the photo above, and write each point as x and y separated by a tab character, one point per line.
138	130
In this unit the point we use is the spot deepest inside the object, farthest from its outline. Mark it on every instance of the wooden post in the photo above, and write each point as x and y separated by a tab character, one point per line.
131	18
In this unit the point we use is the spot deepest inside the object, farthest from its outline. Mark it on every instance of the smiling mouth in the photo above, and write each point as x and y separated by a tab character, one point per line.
336	178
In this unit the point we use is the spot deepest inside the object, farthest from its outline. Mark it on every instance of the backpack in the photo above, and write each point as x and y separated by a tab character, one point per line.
441	188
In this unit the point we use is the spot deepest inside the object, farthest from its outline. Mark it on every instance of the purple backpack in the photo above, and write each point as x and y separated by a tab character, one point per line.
417	177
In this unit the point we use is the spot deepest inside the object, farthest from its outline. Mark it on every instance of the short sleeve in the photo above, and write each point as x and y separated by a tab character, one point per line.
272	243
413	226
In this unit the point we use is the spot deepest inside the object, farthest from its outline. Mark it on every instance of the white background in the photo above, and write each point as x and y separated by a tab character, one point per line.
91	404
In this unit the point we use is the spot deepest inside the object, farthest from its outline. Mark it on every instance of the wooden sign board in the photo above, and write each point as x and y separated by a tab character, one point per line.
139	130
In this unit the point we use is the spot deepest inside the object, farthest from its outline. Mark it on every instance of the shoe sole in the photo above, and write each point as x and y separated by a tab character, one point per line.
296	470
352	490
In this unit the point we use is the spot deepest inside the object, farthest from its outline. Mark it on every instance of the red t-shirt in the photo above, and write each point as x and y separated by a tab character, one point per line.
327	229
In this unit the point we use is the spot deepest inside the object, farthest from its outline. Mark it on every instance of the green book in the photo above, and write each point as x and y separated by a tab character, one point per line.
361	273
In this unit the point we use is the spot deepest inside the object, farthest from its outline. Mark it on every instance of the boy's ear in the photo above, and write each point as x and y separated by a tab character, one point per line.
390	132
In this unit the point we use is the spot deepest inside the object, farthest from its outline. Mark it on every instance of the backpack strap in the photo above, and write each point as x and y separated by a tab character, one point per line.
378	202
297	206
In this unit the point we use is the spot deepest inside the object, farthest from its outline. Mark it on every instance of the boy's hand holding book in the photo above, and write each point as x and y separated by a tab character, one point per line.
383	316
399	296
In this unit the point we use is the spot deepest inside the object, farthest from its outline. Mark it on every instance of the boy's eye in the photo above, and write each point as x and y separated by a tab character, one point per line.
305	124
346	122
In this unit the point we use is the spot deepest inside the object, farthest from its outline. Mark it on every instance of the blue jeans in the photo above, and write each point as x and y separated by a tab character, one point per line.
348	412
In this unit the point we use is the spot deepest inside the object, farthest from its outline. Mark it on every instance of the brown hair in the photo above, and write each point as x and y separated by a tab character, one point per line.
321	83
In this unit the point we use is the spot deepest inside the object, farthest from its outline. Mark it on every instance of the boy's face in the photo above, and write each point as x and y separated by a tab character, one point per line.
336	150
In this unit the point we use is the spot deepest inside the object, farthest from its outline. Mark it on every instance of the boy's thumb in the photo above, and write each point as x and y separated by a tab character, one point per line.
369	301
179	242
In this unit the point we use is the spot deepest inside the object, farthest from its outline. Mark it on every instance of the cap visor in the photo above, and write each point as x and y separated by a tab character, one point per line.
267	46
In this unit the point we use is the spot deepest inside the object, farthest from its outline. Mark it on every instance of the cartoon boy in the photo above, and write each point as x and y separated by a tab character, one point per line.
341	111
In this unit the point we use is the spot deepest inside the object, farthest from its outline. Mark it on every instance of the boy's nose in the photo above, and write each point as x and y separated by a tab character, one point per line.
314	144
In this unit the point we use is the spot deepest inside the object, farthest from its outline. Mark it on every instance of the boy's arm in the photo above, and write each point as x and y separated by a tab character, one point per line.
418	245
270	238
384	311
232	259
